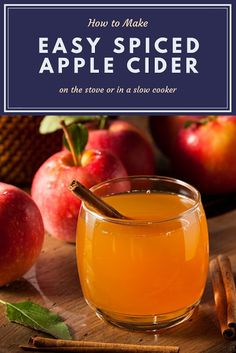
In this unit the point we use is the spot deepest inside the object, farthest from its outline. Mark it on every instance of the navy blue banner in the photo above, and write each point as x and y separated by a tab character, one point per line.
146	58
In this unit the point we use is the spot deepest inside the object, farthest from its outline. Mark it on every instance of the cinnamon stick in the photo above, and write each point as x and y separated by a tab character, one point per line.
159	349
220	299
49	344
229	285
88	196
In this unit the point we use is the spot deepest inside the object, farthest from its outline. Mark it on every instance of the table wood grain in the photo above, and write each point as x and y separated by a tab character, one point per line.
53	282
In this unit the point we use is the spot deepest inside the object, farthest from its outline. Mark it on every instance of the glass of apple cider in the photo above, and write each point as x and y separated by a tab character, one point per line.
149	272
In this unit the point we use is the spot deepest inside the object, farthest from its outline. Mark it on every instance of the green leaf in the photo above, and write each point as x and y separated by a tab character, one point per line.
79	137
38	318
51	123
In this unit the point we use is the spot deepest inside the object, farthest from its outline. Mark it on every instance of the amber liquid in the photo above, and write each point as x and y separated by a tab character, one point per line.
143	268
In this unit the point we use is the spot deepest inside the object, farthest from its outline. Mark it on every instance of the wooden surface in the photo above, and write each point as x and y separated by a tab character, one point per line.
54	282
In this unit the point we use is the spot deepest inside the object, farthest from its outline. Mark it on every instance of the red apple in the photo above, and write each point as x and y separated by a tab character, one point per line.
205	154
164	130
128	143
58	206
21	233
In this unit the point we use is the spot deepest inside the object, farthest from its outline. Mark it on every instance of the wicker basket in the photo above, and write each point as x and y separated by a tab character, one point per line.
23	149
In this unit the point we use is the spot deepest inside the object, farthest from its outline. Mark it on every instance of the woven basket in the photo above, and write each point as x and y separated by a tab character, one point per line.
23	149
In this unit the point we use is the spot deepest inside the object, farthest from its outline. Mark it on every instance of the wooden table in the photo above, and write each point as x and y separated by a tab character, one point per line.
54	282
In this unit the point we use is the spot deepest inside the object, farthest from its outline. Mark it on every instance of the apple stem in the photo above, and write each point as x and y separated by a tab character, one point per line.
70	143
200	122
103	122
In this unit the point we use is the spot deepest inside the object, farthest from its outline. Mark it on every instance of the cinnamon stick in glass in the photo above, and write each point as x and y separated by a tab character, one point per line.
86	195
59	345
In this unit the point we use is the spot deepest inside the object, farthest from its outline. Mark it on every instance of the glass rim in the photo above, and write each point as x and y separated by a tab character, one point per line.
144	221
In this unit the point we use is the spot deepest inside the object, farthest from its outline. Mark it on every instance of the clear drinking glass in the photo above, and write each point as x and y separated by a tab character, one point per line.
149	272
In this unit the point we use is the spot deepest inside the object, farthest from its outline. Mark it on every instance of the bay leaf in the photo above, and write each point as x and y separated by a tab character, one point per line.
37	317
